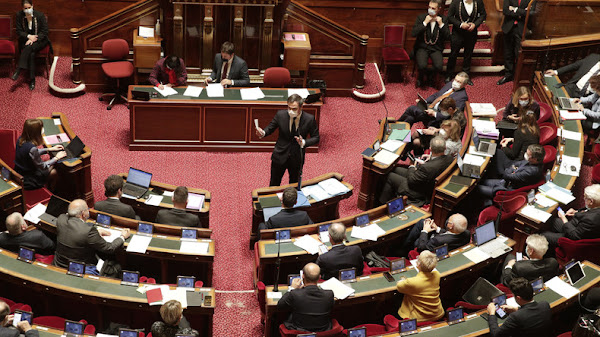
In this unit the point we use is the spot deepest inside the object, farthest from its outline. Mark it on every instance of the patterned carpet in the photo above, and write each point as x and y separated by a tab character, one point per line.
347	127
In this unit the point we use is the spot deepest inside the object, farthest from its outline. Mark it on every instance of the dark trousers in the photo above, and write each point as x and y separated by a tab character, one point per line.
512	44
396	181
487	188
414	114
409	241
422	55
501	162
461	39
27	57
556	232
292	165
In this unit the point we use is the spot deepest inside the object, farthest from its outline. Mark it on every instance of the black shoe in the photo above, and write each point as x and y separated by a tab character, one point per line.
16	74
504	80
469	82
32	85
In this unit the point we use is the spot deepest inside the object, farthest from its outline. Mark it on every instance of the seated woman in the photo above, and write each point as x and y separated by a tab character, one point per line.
527	133
28	161
168	72
173	323
521	102
32	30
590	105
420	141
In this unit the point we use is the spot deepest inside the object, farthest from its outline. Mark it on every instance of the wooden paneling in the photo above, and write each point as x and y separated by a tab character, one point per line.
153	123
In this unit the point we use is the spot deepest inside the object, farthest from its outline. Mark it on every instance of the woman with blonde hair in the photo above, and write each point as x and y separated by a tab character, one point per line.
520	103
173	323
450	130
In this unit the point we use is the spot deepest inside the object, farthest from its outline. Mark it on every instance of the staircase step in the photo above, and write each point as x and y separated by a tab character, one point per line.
476	51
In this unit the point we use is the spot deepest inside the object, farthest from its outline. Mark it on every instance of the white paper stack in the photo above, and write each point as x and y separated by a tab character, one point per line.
177	294
302	92
154	200
476	255
385	157
536	214
215	90
308	243
392	145
569	134
486	128
316	192
195	201
166	91
572	115
544	201
114	234
194	247
562	288
370	232
483	110
340	290
333	186
557	193
139	244
473	160
33	215
192	91
145	31
570	166
252	94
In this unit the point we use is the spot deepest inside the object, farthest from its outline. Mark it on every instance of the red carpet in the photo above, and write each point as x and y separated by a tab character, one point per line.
347	127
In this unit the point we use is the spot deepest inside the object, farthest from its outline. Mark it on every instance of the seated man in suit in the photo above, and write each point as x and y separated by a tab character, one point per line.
288	216
177	216
534	266
113	189
433	115
532	319
339	256
229	69
584	224
6	322
78	241
18	235
522	173
578	85
310	305
417	182
426	235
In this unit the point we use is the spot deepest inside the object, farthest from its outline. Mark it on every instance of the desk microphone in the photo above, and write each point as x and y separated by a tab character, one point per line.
385	124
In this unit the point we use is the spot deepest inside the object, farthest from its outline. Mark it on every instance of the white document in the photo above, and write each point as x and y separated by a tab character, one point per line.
274	295
99	265
302	92
308	243
512	302
177	294
340	290
570	166
146	31
215	90
57	121
544	201
392	145
370	232
168	193
536	214
124	195
483	109
473	160
333	186
194	247
324	236
385	157
316	192
33	215
139	244
256	123
484	126
192	91
476	255
195	201
562	288
252	94
166	91
571	134
153	200
572	115
114	234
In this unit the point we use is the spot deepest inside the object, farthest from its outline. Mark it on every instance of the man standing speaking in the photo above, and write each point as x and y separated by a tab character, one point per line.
294	127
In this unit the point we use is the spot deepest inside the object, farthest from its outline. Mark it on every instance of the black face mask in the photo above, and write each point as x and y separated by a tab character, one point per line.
224	60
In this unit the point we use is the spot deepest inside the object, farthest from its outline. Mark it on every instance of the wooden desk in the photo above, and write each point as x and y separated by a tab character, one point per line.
373	173
319	211
545	88
11	196
148	212
180	123
75	175
371	292
97	299
146	52
296	56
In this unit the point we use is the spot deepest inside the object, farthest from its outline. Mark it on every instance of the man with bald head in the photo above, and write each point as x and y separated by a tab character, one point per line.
310	305
17	235
79	241
6	329
339	256
427	235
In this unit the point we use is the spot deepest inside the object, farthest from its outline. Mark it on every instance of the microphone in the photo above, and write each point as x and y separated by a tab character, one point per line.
385	124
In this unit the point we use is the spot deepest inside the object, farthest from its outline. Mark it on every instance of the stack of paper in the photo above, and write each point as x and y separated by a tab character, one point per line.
486	129
192	91
557	193
562	288
340	290
544	201
399	135
473	160
370	232
535	214
252	94
333	186
195	201
570	166
158	295
316	192
385	157
483	110
114	234
146	31
308	243
572	115
302	92
392	145
33	215
56	139
166	91
139	244
215	90
476	255
194	247
569	134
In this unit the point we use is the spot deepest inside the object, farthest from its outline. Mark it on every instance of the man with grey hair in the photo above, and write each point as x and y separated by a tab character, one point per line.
18	235
533	265
339	256
6	322
584	223
418	180
427	235
80	241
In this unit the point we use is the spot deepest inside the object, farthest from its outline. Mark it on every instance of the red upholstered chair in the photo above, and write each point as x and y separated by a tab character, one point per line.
565	334
45	259
336	330
393	52
596	151
511	203
57	322
413	254
372	329
505	290
7	46
12	305
549	156
547	133
277	77
596	174
262	299
545	112
117	67
586	249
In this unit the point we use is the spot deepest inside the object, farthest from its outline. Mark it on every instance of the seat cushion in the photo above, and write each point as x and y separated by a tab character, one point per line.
596	174
119	69
394	54
7	48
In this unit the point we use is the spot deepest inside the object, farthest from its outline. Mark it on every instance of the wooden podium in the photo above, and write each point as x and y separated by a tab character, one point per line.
296	56
146	52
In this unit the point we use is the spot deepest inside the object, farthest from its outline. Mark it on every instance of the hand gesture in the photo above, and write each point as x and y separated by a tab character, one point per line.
299	140
225	82
260	132
429	226
428	19
514	117
61	155
508	309
426	157
296	283
28	43
439	20
431	112
551	72
23	326
160	86
103	232
570	212
169	85
576	100
471	26
511	8
464	25
125	233
208	80
57	148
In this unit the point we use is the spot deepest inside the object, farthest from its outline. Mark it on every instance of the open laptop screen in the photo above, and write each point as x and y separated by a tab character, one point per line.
75	328
103	219
138	177
485	233
128	333
57	206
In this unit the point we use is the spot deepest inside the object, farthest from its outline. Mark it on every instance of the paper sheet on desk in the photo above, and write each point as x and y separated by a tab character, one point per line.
544	201
308	243
385	157
192	91
302	92
270	211
569	134
166	91
536	214
153	200
251	94
33	215
139	244
316	192
570	166
177	294
572	115
215	90
562	288
473	159
56	139
476	255
340	290
370	232
483	109
128	196
168	193
392	145
57	121
194	247
145	31
333	186
114	234
414	264
195	201
274	295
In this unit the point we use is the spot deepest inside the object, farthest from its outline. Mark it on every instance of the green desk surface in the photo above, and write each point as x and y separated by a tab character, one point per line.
165	200
52	129
5	186
387	225
164	243
230	94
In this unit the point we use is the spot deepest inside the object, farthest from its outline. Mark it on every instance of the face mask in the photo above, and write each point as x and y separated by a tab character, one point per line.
444	113
292	113
456	85
224	60
592	90
443	133
526	156
431	12
523	102
28	11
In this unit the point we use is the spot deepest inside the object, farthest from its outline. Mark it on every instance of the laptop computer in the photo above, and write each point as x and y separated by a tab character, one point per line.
357	332
284	235
73	149
56	206
347	275
137	183
128	332
567	103
130	278
407	327
26	254
467	170
186	282
485	239
483	147
140	95
103	219
395	207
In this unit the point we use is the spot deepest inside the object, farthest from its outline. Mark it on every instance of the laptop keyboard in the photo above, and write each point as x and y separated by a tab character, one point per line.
494	248
133	190
567	103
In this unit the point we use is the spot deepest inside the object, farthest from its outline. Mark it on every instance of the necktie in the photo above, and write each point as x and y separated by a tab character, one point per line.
587	85
519	4
224	72
432	105
294	131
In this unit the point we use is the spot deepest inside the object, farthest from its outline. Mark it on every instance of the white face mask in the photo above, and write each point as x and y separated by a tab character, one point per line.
431	12
444	113
526	156
592	90
456	85
523	102
28	11
292	113
443	133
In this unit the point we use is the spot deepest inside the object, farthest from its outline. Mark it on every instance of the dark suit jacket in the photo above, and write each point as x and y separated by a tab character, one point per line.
286	144
476	17
584	225
420	32
510	16
580	68
22	27
460	97
533	319
421	180
288	217
430	242
525	174
238	72
13	332
520	144
310	306
116	207
531	269
340	257
177	217
77	240
159	74
34	239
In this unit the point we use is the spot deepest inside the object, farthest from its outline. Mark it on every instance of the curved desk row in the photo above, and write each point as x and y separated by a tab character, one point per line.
51	291
11	195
